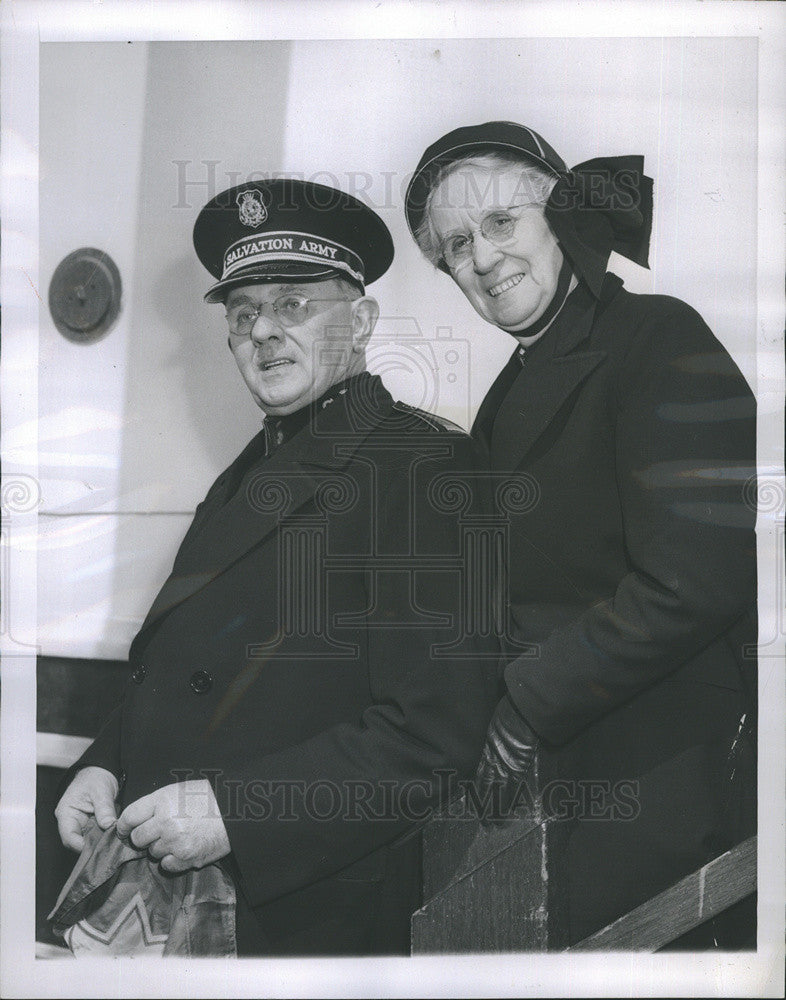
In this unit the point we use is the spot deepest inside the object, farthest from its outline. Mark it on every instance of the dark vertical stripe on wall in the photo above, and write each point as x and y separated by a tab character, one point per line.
74	697
53	862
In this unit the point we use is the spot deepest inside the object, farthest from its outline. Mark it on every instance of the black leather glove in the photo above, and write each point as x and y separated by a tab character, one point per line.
507	759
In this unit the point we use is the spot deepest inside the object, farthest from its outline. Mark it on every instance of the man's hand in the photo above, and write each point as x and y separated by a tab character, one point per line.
92	793
179	824
506	760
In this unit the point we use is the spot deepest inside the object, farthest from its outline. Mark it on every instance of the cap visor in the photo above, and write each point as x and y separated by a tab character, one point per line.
264	273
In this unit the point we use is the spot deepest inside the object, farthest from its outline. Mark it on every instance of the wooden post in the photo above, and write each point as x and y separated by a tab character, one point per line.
494	889
503	889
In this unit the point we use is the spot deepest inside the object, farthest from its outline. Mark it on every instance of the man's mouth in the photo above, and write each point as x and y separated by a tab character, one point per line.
503	286
267	366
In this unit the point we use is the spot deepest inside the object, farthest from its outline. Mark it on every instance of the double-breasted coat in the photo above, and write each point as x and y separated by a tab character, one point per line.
298	657
634	579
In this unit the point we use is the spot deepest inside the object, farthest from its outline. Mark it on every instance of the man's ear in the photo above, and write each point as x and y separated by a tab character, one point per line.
365	312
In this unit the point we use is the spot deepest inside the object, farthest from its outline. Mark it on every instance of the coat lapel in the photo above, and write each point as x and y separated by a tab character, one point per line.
223	487
487	411
533	402
547	378
271	489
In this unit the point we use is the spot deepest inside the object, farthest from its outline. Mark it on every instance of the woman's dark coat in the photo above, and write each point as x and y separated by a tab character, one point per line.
634	576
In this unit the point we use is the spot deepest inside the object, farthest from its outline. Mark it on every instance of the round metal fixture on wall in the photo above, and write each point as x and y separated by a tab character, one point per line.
84	295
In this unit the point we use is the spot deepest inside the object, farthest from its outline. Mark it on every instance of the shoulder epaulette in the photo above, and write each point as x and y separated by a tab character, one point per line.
431	420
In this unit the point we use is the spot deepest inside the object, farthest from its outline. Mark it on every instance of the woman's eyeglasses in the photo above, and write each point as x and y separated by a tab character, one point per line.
497	227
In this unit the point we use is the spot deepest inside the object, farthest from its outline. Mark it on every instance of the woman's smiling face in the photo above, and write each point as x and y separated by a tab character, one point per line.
510	285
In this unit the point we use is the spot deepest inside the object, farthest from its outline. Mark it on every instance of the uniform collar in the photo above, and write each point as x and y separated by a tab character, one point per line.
280	429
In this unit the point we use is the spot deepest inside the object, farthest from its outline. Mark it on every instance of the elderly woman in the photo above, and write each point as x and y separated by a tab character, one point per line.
634	574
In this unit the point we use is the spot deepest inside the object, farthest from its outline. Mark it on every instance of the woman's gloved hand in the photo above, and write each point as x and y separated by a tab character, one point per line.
507	758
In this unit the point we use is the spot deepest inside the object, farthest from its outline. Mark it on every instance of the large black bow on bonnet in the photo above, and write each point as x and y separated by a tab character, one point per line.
601	205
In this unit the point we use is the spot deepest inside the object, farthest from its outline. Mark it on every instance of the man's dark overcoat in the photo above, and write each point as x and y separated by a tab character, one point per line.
634	576
294	657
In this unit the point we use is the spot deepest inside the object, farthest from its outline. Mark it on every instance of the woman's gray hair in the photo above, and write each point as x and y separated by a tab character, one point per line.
535	186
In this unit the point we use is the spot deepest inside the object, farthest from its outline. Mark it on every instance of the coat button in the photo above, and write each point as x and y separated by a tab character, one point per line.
121	780
139	674
201	682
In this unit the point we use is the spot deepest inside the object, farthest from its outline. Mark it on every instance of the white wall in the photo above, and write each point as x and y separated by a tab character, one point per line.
689	105
135	428
92	107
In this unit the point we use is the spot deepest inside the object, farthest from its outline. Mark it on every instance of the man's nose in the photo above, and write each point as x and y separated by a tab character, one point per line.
266	327
484	254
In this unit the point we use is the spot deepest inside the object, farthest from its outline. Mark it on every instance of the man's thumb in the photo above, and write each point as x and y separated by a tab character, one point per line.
105	813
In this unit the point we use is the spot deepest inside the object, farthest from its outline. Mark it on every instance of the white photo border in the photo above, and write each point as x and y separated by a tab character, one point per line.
27	23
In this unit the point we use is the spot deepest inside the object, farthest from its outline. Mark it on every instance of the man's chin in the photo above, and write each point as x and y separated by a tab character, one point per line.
279	409
278	401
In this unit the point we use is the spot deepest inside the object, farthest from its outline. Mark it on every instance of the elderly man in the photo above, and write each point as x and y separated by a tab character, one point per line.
293	704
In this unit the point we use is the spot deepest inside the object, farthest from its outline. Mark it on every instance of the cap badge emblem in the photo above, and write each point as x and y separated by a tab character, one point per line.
252	210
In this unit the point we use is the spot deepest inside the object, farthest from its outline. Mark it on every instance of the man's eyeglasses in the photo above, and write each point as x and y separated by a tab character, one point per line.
496	227
290	309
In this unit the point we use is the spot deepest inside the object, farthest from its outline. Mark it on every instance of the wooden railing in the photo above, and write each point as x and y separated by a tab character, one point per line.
700	896
505	890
